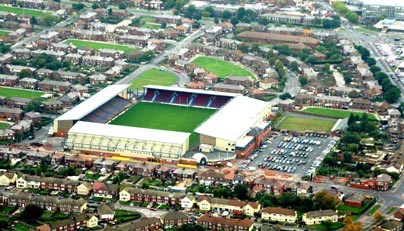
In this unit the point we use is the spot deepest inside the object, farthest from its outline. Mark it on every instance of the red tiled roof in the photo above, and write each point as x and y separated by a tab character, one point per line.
279	210
225	221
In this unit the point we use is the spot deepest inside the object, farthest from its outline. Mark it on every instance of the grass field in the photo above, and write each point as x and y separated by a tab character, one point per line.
374	209
22	11
4	125
221	68
335	112
165	117
151	26
155	77
4	33
146	19
100	45
303	124
14	92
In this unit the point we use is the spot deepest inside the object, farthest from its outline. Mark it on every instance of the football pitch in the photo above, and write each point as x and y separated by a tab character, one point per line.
336	113
165	117
306	124
154	77
22	11
9	92
99	45
221	68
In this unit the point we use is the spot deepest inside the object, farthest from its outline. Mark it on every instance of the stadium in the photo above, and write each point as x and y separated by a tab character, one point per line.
166	124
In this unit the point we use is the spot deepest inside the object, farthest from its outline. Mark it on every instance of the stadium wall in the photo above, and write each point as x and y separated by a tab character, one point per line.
128	148
62	127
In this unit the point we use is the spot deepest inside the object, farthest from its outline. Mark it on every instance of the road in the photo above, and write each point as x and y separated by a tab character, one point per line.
144	211
368	42
388	199
292	85
183	79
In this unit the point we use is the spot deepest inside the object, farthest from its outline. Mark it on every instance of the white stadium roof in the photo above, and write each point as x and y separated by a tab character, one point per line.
93	102
384	3
234	119
219	93
135	133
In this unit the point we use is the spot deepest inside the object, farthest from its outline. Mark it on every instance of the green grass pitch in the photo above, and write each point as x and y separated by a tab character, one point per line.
306	124
22	11
154	77
4	125
4	33
165	117
99	45
335	112
9	92
221	68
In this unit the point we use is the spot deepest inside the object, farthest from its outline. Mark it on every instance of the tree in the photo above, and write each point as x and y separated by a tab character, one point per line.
31	212
371	61
347	79
226	14
350	138
327	224
136	22
234	20
351	119
241	191
119	178
311	60
244	47
49	20
378	216
122	6
392	94
325	200
294	66
255	47
24	73
163	25
401	109
303	80
210	10
352	226
216	20
284	49
240	13
95	6
33	20
145	185
263	21
352	17
110	11
78	6
285	96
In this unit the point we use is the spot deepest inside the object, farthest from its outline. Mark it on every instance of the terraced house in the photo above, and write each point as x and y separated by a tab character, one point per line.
47	183
316	217
144	195
279	214
51	203
208	203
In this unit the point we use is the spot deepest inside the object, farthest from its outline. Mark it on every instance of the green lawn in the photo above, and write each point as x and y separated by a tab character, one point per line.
4	33
221	68
349	209
306	124
391	210
335	112
4	125
7	210
155	77
334	226
374	209
9	92
22	11
152	26
21	227
165	117
100	45
146	19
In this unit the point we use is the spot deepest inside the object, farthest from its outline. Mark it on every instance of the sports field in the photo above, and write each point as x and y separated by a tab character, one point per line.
221	68
99	45
22	11
9	92
155	77
306	124
335	112
165	117
4	125
4	33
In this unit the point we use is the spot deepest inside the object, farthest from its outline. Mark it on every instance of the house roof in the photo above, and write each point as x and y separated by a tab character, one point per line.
321	213
279	210
104	209
226	221
175	215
